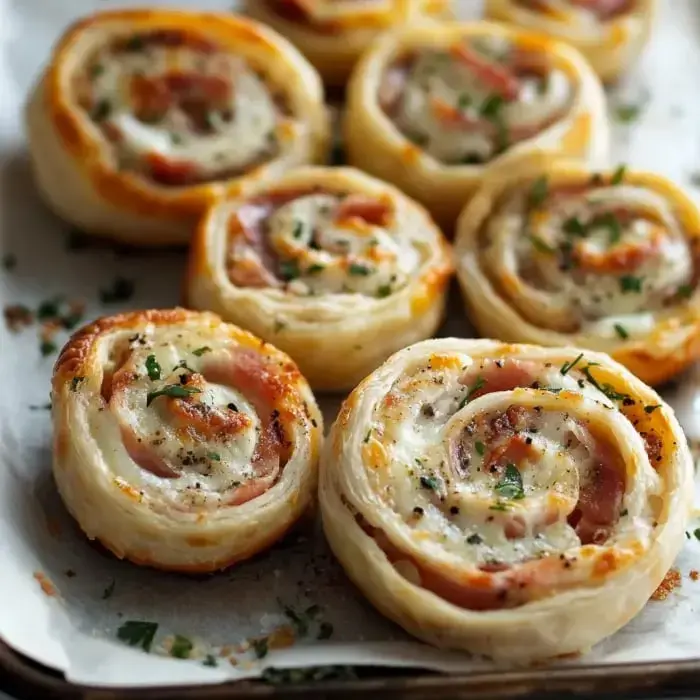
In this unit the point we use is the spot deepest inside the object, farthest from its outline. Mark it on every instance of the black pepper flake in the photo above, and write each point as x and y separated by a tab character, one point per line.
454	510
418	510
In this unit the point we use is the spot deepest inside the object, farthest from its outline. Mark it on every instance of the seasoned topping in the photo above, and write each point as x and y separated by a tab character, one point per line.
317	242
598	257
516	480
178	109
468	103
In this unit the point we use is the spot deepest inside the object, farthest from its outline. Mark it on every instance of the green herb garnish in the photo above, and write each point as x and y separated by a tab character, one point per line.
315	268
429	482
651	409
210	660
542	246
511	485
568	366
685	291
260	647
574	227
175	391
298	229
47	347
620	330
289	270
138	633
539	191
464	101
606	388
152	367
384	291
200	351
630	283
627	113
359	269
101	110
181	647
480	447
474	539
618	175
499	506
122	289
214	456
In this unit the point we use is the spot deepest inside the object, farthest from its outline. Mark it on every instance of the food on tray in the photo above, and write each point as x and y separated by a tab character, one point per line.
143	117
429	108
550	252
182	442
333	33
610	33
509	500
336	268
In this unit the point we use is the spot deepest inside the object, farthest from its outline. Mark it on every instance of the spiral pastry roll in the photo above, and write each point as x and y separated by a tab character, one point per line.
333	33
182	442
610	33
336	268
553	254
143	117
429	108
508	500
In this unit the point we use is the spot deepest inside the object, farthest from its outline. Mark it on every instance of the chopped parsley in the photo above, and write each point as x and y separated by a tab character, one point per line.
384	291
214	456
685	291
289	270
210	660
474	539
138	633
539	191
628	113
359	269
464	101
696	533
491	106
298	229
101	110
480	447
316	267
651	409
542	246
75	382
175	391
619	175
568	366
607	389
574	227
47	347
630	283
49	309
134	43
620	330
121	289
429	482
279	325
200	351
181	647
369	433
478	384
498	506
511	485
152	367
260	647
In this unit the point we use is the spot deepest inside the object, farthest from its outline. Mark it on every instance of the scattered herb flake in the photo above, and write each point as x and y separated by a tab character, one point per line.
49	309
384	291
574	227
289	270
568	366
498	506
429	482
651	409
315	268
138	633
630	283
260	647
152	367
542	246
491	106
369	433
464	101
511	484
359	270
619	175
620	330
47	347
480	447
479	384
181	647
214	456
75	382
121	289
175	391
279	325
200	351
474	539
539	191
101	110
628	113
298	229
606	388
210	660
624	512
685	291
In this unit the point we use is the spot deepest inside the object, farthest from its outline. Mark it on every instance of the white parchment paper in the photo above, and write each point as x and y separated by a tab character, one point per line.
75	630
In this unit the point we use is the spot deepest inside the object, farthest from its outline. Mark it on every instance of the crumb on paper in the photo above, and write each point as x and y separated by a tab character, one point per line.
281	638
671	581
694	574
46	584
233	661
17	317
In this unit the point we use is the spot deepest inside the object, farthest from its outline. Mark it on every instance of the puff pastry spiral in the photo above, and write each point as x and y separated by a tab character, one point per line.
550	252
333	33
182	442
336	268
143	117
510	500
430	108
610	33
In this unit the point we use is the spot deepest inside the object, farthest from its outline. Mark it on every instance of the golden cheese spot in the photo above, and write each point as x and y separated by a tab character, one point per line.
539	217
617	36
46	584
440	362
411	154
374	455
578	135
281	638
128	490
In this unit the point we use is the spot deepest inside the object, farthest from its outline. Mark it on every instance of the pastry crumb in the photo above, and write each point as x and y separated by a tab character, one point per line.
671	581
46	584
694	574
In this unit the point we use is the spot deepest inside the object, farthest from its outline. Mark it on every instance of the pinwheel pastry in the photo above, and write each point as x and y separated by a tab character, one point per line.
550	253
609	33
429	108
143	117
336	268
333	33
182	442
508	500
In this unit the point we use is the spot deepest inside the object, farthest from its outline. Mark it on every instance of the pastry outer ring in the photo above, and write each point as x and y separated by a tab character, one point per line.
375	145
334	55
570	622
611	52
71	162
112	513
334	353
666	351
